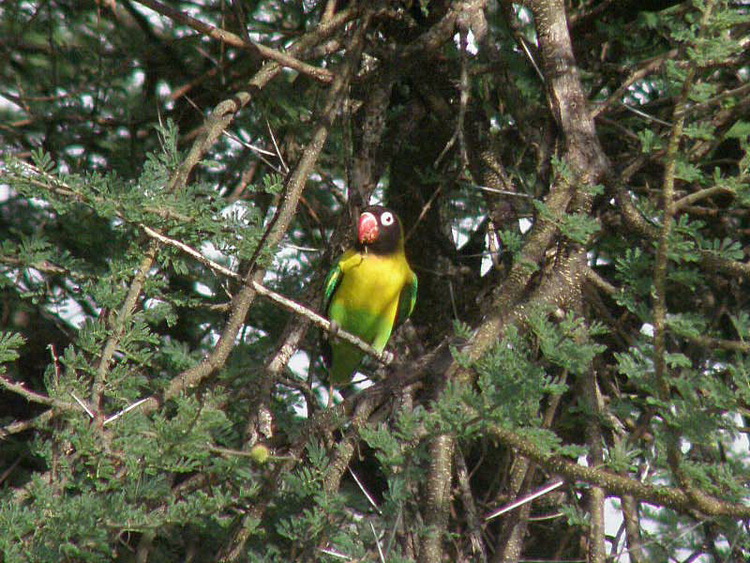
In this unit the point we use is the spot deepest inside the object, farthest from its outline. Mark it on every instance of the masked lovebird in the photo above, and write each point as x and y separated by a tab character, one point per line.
369	291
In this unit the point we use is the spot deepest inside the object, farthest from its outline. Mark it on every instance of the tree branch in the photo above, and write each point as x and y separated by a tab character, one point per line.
32	396
617	484
223	114
636	223
661	268
119	323
23	425
438	497
283	59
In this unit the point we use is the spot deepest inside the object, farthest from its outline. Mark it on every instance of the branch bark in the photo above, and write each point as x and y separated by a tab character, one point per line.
617	484
283	59
437	498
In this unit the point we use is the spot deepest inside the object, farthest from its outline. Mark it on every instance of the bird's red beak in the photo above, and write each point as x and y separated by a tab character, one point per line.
368	228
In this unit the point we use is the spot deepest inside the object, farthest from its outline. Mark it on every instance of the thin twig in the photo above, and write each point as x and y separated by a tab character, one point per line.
529	55
56	362
44	266
10	469
467	498
377	543
648	67
120	323
741	346
458	133
245	453
641	113
280	156
83	405
496	190
699	195
124	411
334	553
23	425
259	151
661	266
425	208
523	500
367	494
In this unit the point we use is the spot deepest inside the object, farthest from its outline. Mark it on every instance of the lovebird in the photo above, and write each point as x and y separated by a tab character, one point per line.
369	291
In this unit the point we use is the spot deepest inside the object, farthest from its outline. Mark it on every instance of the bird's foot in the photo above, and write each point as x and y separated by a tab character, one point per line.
387	357
333	328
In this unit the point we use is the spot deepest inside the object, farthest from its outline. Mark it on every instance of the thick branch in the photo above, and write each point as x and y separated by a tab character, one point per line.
582	150
617	484
438	498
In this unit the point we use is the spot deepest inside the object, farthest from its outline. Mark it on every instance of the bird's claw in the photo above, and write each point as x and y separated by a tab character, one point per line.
333	328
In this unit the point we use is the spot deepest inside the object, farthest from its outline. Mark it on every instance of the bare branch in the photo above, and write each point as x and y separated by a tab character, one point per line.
23	425
617	484
285	302
690	199
32	396
284	59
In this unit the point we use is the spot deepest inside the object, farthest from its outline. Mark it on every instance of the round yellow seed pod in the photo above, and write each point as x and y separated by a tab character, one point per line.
260	454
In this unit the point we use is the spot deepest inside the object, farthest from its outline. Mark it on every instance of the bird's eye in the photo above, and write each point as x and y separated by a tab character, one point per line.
387	218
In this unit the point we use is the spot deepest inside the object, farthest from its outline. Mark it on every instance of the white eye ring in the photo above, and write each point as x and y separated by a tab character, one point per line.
386	219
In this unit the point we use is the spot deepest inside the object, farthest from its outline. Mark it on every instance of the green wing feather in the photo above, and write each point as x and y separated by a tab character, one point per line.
407	300
333	280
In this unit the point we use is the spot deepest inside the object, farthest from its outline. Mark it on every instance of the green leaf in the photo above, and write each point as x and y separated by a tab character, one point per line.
9	344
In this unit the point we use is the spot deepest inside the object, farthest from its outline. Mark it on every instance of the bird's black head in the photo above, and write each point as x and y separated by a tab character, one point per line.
379	230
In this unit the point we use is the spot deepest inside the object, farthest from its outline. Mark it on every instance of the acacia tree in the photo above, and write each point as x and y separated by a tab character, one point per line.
177	178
